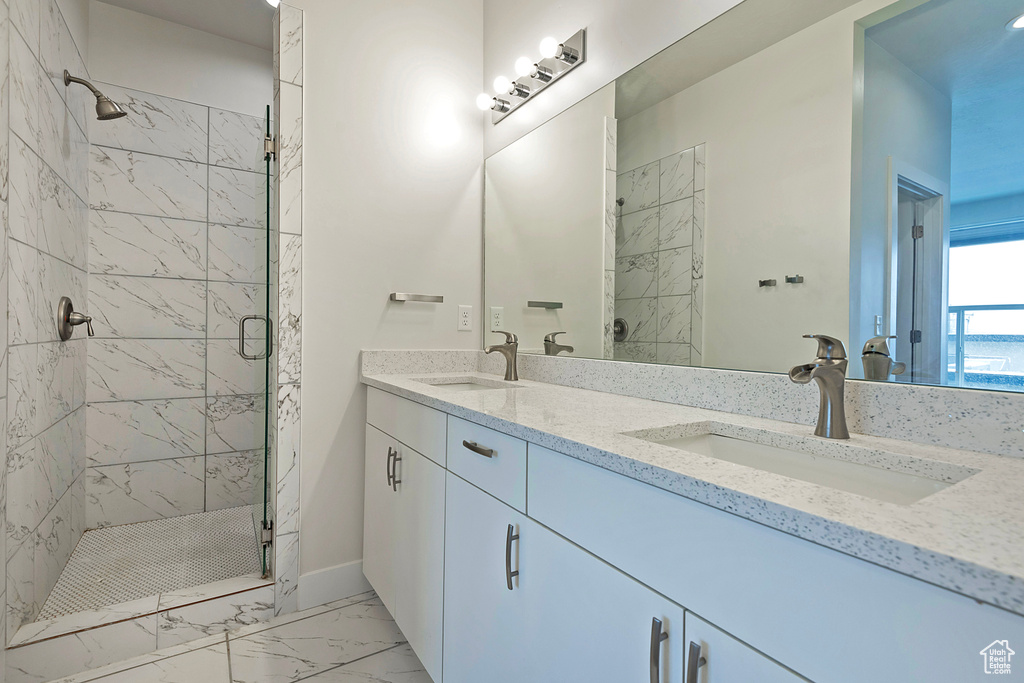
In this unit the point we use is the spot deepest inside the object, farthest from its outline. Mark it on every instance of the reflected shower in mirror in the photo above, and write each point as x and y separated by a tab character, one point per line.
793	167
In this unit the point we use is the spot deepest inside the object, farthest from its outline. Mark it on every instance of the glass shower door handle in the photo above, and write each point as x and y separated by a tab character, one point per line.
241	338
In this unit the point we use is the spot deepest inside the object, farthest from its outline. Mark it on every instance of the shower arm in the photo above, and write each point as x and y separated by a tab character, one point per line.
69	79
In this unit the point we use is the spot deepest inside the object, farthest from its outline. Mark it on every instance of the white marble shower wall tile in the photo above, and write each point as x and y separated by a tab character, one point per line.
642	317
28	496
236	197
63	220
699	167
287	454
24	207
51	659
25	17
21	394
640	352
636	276
154	125
289	337
135	369
232	479
674	319
238	254
147	307
674	271
677	176
290	45
22	607
638	189
286	574
128	244
227	373
236	140
674	354
56	279
637	233
132	431
5	104
23	294
235	423
133	182
139	492
290	166
676	224
54	544
26	84
229	302
609	314
63	145
698	235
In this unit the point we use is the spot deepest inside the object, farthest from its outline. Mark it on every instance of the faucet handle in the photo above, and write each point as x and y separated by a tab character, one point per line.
509	337
550	337
829	348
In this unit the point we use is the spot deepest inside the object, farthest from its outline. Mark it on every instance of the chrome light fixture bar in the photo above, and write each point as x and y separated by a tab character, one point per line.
557	59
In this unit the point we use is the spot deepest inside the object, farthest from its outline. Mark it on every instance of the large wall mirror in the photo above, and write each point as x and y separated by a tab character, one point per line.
795	166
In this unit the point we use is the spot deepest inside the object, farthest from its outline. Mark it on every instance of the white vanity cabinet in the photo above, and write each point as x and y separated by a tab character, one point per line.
403	546
567	617
713	656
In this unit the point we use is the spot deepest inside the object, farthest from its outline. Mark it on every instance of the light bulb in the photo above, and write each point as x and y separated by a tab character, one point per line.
524	66
1016	24
502	85
273	3
484	102
549	47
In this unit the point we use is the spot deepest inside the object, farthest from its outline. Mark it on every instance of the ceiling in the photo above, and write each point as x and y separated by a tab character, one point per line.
962	48
247	21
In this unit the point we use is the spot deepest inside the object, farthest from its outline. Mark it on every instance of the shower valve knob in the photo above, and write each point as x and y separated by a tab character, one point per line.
68	318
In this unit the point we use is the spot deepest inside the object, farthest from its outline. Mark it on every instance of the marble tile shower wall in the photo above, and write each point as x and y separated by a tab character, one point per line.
177	255
45	188
659	260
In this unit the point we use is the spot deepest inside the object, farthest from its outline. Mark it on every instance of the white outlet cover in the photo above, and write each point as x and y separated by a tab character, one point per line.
497	318
465	323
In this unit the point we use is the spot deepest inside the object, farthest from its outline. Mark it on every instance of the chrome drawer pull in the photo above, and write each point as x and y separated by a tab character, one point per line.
387	464
509	537
694	661
657	635
477	448
395	481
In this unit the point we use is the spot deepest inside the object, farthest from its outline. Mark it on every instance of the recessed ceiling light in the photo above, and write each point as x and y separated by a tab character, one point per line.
1016	24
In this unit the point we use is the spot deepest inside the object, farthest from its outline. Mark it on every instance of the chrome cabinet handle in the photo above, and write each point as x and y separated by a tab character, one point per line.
387	465
395	481
241	337
477	448
657	635
694	661
509	537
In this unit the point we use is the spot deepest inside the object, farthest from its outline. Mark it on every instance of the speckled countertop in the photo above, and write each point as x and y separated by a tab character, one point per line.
968	537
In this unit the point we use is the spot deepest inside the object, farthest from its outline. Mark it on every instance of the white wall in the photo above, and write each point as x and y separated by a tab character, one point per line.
76	15
138	51
620	35
544	229
1008	208
907	119
392	202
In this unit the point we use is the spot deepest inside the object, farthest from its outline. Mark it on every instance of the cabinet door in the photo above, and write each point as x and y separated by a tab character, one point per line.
587	621
484	635
379	509
419	556
727	660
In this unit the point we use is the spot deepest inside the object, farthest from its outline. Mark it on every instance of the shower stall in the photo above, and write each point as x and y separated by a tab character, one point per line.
141	394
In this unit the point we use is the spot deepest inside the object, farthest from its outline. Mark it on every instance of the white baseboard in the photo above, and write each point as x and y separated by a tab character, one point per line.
333	583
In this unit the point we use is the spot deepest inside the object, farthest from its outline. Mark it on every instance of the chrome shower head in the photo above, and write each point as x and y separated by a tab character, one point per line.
106	109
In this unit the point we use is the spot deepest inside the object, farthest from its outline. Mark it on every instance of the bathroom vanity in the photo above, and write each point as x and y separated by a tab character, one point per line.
533	532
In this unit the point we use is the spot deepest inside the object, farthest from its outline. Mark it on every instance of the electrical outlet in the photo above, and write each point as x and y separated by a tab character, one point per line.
497	318
465	319
878	325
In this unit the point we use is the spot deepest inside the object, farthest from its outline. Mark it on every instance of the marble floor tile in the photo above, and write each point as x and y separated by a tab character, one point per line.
182	624
397	665
314	645
208	664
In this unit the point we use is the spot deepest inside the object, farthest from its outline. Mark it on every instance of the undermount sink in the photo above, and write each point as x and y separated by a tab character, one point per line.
467	383
870	479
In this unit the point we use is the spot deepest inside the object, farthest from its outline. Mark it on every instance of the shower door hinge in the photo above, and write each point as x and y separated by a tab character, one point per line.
267	534
269	147
917	232
915	336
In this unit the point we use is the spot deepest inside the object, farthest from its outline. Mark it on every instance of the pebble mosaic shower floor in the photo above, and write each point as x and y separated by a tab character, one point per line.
132	561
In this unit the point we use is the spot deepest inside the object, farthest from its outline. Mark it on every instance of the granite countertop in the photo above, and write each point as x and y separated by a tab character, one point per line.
966	537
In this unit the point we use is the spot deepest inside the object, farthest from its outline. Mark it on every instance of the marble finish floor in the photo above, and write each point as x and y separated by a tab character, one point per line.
123	563
349	641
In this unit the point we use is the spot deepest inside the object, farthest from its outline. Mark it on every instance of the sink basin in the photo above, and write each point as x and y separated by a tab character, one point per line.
467	383
839	471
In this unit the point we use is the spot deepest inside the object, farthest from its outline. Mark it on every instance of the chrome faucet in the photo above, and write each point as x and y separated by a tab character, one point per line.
509	350
553	348
829	371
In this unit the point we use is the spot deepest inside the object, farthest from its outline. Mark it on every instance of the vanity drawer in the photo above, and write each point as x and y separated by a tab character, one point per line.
491	460
417	426
815	610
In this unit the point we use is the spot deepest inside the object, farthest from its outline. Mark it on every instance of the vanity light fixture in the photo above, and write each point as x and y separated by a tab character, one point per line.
557	59
1015	24
274	3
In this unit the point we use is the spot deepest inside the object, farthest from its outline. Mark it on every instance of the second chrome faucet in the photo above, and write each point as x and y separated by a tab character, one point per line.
510	351
829	371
